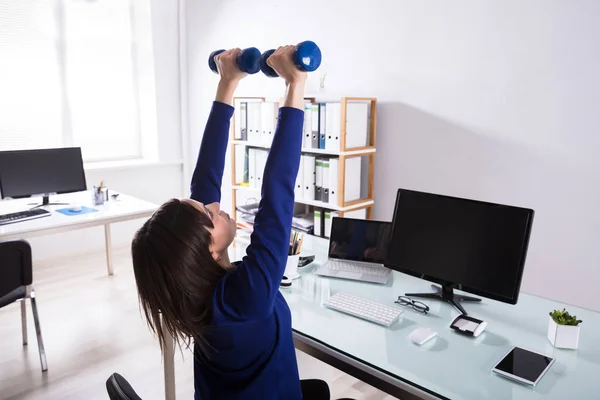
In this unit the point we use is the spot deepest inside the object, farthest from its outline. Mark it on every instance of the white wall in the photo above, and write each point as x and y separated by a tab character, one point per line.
484	99
154	182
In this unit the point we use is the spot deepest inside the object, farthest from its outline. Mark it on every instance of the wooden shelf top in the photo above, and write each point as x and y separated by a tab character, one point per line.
361	151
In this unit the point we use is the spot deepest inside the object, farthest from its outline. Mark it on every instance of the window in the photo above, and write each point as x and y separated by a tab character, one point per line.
70	75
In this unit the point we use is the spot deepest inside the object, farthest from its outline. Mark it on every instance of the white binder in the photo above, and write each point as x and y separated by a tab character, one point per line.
333	121
319	179
261	161
308	177
237	114
254	123
268	122
325	178
328	219
333	180
356	214
317	225
252	168
240	160
298	189
357	124
352	179
307	127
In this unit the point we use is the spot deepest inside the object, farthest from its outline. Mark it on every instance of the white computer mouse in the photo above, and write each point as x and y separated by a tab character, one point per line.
75	208
422	335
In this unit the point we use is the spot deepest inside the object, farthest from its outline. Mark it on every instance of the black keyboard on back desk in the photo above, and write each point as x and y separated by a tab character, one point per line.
23	216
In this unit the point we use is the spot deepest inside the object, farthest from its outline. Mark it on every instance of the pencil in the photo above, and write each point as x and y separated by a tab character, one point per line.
300	244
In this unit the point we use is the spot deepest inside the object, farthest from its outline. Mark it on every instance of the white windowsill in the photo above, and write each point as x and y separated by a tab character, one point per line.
127	164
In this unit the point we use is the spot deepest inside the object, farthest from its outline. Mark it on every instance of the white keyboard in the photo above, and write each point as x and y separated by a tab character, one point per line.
348	267
365	309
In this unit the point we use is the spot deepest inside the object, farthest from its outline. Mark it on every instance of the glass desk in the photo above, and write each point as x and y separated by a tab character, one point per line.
450	366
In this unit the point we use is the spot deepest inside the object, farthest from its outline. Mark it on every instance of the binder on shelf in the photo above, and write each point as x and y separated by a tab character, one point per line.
356	214
254	128
319	179
352	179
357	124
317	223
308	177
315	126
244	120
299	189
261	160
246	181
237	114
268	122
252	168
322	124
307	127
333	126
333	180
325	178
327	224
240	163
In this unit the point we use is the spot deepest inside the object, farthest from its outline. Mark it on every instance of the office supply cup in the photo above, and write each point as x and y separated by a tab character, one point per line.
99	195
416	305
291	267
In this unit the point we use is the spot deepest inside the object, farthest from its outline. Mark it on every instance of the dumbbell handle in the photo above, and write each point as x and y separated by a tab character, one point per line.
248	60
307	57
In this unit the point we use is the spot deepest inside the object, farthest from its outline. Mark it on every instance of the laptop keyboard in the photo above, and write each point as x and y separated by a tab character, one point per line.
361	269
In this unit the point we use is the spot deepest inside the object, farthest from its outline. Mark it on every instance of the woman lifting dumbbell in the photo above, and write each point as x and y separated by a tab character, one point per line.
188	288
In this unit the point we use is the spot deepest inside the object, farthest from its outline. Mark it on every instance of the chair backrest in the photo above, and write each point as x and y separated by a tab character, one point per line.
119	389
15	265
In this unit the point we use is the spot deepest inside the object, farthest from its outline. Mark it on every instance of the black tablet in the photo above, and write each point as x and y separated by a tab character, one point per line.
523	365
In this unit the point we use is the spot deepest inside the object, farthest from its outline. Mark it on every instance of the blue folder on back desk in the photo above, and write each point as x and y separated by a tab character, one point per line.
23	216
69	212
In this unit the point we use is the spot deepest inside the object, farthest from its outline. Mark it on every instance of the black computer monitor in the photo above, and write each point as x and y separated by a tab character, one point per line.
463	244
41	172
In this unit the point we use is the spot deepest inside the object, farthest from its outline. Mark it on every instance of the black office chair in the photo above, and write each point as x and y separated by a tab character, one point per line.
119	389
16	276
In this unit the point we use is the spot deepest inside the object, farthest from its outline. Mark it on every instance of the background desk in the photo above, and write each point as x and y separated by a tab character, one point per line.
451	366
123	209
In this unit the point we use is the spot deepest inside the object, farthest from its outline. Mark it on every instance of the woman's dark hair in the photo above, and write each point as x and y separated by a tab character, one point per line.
175	272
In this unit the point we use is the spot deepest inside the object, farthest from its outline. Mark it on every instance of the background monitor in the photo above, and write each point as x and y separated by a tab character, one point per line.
465	244
359	240
25	173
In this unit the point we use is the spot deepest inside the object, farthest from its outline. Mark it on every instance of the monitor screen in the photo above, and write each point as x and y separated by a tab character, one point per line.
476	246
25	173
359	240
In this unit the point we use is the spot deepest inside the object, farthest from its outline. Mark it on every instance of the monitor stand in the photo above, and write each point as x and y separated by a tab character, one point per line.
46	202
445	293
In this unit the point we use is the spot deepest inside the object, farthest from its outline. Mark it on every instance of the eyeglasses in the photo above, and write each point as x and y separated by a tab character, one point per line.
416	305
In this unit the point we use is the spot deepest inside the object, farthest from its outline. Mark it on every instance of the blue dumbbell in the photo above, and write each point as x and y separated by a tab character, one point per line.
307	57
248	60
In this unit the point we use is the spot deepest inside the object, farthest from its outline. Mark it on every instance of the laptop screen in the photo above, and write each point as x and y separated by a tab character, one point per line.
359	240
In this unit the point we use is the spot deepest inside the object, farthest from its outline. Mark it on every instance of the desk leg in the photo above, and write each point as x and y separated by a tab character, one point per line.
169	368
108	241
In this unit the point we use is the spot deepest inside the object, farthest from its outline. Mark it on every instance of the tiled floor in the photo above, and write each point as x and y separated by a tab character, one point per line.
92	326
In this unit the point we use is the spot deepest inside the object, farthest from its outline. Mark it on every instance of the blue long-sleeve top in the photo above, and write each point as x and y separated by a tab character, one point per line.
253	354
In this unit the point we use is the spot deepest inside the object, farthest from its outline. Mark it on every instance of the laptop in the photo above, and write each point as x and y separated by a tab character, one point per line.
357	250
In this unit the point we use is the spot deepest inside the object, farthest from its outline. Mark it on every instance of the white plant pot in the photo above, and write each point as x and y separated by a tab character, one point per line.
563	336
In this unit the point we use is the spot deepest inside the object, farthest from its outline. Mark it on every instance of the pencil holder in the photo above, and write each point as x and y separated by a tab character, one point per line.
99	196
291	266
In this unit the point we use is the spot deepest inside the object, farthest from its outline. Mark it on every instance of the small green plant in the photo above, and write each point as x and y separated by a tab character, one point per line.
564	318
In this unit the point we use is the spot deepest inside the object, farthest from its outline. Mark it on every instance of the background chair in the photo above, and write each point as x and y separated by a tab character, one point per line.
16	275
